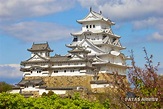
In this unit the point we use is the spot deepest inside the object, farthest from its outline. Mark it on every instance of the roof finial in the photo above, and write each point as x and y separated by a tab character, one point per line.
90	9
100	12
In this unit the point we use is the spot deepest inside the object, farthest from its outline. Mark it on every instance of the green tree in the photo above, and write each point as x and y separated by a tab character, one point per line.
17	101
5	87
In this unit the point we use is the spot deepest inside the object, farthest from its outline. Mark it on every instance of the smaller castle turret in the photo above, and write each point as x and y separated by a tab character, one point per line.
41	49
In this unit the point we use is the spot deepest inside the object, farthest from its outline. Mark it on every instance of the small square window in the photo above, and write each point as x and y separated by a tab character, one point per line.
93	26
55	71
86	26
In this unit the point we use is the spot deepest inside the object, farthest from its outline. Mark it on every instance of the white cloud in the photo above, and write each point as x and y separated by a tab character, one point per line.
156	37
10	71
125	10
36	31
146	23
15	9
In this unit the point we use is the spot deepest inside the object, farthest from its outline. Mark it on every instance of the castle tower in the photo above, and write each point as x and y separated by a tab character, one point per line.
41	49
104	46
38	63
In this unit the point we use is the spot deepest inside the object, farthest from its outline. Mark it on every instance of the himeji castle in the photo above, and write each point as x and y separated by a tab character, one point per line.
95	50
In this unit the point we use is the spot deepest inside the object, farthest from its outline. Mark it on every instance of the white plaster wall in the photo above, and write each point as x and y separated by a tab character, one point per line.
97	26
68	74
59	91
30	88
55	91
106	48
42	91
101	85
34	73
15	91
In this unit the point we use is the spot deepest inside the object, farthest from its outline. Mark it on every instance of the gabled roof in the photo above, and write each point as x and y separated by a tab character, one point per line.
92	45
94	16
42	59
77	57
79	49
40	47
88	31
97	59
66	58
125	57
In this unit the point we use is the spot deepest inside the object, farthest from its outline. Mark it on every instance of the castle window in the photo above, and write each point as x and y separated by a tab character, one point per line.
90	26
103	37
75	63
93	26
114	39
86	26
55	71
97	37
65	71
75	39
71	70
47	54
31	71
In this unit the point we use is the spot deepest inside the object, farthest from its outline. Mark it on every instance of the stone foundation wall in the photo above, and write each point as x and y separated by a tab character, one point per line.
64	81
73	81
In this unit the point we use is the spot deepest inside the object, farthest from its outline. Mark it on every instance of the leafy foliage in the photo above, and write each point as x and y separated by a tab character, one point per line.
17	101
4	87
145	82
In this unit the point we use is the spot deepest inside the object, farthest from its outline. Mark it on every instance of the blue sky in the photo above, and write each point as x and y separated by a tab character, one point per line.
22	22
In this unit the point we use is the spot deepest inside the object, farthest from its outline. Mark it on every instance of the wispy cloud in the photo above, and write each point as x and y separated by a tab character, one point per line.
155	23
125	10
17	9
146	23
10	71
156	37
36	31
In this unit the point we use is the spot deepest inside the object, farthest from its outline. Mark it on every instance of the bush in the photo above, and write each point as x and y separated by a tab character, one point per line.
17	101
4	87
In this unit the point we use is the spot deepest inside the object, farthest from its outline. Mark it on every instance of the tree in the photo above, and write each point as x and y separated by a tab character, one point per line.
4	87
146	82
17	101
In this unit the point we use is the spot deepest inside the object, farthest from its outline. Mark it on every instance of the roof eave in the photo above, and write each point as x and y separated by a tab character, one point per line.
39	50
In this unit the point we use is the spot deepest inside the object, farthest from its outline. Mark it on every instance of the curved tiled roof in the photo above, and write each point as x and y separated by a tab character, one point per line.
40	47
79	49
31	82
94	16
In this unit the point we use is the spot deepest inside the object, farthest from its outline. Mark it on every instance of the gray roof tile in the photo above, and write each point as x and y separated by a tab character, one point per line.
40	47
